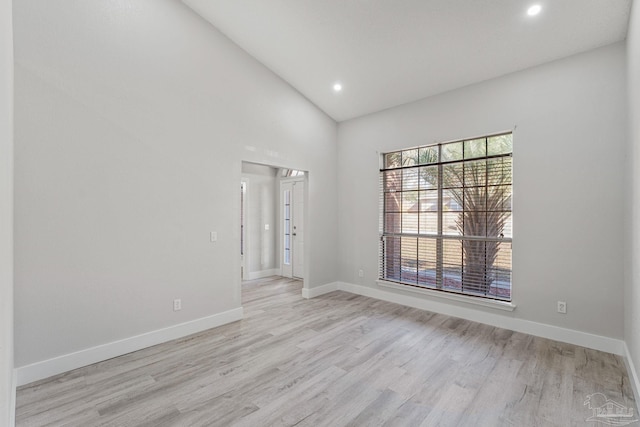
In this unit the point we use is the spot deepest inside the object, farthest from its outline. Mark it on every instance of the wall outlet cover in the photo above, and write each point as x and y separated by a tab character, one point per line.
562	307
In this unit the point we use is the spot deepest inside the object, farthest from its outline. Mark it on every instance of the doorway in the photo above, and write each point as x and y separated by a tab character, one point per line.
258	217
272	222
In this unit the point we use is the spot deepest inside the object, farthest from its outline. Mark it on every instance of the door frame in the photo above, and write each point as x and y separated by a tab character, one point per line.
286	270
244	184
298	231
291	180
308	230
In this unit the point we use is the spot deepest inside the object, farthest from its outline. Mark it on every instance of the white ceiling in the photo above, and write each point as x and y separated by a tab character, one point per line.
390	52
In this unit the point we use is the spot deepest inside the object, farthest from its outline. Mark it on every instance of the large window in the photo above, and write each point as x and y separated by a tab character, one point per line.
446	219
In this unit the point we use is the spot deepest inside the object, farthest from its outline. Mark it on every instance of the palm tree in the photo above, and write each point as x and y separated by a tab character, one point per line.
483	189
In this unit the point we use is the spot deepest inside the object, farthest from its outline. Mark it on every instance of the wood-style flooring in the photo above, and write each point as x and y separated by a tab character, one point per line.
335	360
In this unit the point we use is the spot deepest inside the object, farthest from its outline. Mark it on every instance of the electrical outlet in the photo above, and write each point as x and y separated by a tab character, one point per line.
360	273
214	236
562	307
177	304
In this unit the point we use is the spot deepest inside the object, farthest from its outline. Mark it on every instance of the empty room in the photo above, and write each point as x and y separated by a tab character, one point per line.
319	213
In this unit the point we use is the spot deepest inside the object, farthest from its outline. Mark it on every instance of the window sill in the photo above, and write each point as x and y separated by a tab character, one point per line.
499	305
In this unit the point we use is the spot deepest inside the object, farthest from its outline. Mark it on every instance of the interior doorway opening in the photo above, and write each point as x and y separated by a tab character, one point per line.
272	222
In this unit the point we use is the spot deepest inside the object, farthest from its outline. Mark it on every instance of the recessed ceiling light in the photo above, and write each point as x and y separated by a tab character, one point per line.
337	87
534	10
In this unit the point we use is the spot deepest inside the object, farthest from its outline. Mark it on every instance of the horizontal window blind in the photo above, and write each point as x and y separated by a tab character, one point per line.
446	216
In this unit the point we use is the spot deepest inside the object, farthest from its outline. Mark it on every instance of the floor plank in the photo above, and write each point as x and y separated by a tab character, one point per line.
335	360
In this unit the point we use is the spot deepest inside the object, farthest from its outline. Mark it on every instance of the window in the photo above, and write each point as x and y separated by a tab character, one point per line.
446	220
291	172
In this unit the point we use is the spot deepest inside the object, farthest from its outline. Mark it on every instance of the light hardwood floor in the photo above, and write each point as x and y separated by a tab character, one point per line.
335	360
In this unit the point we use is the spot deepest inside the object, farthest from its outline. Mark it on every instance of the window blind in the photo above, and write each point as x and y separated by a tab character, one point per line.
446	216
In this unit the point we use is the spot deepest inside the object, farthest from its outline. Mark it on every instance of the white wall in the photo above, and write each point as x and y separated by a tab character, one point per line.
260	210
569	141
632	289
6	214
132	121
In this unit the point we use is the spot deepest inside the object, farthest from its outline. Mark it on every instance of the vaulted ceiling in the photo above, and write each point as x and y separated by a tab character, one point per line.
390	52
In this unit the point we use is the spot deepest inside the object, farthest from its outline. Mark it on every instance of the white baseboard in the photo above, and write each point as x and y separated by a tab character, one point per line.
12	399
633	374
584	339
57	365
319	290
252	275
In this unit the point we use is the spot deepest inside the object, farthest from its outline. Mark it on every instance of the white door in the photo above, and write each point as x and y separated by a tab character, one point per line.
298	229
293	229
